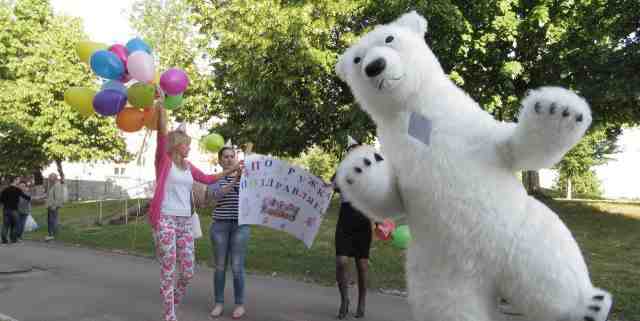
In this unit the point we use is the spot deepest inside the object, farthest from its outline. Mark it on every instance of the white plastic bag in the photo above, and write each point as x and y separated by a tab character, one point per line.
30	225
196	231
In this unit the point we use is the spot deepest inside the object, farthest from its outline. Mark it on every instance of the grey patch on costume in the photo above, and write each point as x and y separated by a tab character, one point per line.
420	128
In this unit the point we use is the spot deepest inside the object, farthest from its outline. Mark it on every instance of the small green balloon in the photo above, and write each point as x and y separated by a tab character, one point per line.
173	102
213	142
141	95
401	237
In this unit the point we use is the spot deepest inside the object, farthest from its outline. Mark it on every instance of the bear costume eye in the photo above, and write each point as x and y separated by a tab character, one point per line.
389	39
356	60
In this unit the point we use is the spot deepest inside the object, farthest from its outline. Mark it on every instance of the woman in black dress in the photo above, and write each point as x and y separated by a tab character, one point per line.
353	239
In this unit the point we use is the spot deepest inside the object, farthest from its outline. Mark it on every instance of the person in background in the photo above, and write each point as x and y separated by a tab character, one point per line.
170	212
24	207
229	238
352	239
56	196
10	197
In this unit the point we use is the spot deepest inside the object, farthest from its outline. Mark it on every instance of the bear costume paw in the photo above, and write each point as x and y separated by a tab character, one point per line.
559	110
552	120
368	182
598	306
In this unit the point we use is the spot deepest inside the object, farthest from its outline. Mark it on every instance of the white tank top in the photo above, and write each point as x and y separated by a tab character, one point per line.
177	192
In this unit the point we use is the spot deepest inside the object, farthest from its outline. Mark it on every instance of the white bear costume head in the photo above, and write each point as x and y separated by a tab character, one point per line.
390	63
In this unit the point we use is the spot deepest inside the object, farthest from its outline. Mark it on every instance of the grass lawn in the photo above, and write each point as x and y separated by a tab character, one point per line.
608	233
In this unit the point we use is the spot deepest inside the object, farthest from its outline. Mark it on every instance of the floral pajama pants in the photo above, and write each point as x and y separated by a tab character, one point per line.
174	244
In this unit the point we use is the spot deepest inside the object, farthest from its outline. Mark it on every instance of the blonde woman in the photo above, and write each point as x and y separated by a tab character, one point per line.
170	212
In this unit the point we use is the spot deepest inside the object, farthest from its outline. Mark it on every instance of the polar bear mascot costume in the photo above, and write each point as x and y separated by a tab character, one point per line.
449	166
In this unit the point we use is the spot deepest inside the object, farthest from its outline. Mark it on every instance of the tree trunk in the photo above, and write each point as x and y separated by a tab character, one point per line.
569	196
60	171
531	182
38	179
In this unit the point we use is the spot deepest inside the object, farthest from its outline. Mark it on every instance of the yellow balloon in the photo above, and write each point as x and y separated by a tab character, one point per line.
86	48
156	79
81	99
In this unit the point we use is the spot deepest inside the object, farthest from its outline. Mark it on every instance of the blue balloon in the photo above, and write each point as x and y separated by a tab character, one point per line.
115	85
109	102
137	44
107	65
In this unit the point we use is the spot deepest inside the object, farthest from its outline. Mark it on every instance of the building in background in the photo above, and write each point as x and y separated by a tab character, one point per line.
135	179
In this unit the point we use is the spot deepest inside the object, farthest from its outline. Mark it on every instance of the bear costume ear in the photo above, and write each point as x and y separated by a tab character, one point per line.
351	141
412	21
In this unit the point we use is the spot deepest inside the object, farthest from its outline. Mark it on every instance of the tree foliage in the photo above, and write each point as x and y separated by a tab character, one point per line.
37	64
591	151
274	72
586	184
274	62
274	78
318	162
578	164
167	26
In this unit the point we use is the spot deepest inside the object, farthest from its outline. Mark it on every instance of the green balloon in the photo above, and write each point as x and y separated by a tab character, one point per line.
213	142
401	237
173	102
141	95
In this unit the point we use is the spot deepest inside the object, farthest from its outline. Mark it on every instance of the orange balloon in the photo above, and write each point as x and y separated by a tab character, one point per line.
130	120
151	118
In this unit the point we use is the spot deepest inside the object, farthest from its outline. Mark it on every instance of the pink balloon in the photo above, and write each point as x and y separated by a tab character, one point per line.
121	52
174	81
141	67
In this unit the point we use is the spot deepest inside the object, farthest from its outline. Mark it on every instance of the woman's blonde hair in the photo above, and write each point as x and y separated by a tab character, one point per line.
177	137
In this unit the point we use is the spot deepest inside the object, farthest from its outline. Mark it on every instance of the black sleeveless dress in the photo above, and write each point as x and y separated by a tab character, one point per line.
353	231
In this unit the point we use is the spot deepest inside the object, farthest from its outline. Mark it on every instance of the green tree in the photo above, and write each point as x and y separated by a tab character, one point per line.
168	28
318	162
274	72
576	168
586	184
16	160
38	64
274	62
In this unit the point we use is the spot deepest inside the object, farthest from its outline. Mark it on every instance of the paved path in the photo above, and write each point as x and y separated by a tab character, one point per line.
49	282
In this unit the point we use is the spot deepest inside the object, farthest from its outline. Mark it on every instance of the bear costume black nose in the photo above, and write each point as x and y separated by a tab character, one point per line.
375	67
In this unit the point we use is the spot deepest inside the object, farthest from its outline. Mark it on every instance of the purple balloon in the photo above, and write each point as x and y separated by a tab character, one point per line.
174	81
109	102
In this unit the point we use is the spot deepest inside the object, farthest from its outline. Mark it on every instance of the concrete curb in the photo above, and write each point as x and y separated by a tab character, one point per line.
6	318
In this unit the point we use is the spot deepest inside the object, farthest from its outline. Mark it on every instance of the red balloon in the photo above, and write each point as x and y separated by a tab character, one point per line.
121	52
383	230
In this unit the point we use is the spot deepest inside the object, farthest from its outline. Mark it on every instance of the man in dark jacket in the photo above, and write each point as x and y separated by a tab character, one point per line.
9	198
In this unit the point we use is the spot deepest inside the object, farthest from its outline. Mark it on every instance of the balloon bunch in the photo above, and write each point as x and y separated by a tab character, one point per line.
400	236
130	85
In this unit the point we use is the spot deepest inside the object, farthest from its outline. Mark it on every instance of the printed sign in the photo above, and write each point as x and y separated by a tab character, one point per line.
282	196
